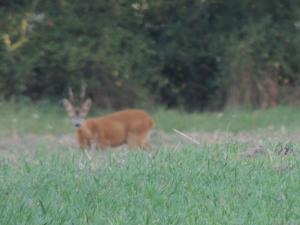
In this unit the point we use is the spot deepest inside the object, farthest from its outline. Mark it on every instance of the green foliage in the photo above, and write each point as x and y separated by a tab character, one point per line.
274	119
185	53
26	117
47	118
205	185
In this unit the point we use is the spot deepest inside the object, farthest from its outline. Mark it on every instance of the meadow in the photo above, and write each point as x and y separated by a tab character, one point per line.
46	117
244	171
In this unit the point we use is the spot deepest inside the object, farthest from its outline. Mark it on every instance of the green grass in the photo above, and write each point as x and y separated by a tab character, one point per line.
231	120
190	185
205	185
30	118
50	118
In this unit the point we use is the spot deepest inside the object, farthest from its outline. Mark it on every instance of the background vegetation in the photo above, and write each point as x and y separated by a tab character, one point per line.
41	119
193	54
184	54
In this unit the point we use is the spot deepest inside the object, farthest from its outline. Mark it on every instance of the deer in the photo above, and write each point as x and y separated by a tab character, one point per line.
132	126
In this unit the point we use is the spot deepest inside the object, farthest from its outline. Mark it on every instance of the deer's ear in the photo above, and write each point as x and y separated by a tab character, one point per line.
68	106
86	106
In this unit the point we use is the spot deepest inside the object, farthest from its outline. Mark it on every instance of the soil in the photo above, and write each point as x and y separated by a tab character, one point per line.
11	146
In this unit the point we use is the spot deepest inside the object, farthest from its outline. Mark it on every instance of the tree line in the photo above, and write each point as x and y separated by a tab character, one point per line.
192	54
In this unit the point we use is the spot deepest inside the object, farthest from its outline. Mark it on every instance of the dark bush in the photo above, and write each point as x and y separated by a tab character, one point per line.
190	54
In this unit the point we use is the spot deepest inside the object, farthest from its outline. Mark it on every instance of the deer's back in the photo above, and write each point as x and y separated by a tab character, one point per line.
131	120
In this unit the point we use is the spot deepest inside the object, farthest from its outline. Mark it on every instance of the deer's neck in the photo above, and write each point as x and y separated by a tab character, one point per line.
84	130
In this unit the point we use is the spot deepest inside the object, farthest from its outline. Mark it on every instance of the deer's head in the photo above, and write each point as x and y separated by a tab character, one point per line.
77	114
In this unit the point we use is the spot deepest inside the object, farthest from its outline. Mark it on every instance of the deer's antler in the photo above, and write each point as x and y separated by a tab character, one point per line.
71	95
82	94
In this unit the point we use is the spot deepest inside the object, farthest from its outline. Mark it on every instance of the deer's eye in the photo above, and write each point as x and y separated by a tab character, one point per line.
82	114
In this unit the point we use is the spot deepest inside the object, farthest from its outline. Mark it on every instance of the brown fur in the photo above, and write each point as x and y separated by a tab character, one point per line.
130	127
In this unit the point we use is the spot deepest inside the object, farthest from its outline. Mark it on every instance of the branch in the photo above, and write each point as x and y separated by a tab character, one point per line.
187	137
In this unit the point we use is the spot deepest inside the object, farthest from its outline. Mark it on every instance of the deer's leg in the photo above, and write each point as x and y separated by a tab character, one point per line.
102	142
133	140
140	140
84	143
101	146
145	140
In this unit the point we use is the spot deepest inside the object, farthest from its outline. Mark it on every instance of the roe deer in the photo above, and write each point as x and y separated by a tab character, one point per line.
131	127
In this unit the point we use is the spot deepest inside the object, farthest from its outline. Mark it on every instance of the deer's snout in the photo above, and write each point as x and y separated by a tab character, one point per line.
77	121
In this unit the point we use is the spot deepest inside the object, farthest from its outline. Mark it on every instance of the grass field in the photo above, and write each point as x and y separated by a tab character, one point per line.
205	185
45	118
245	171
